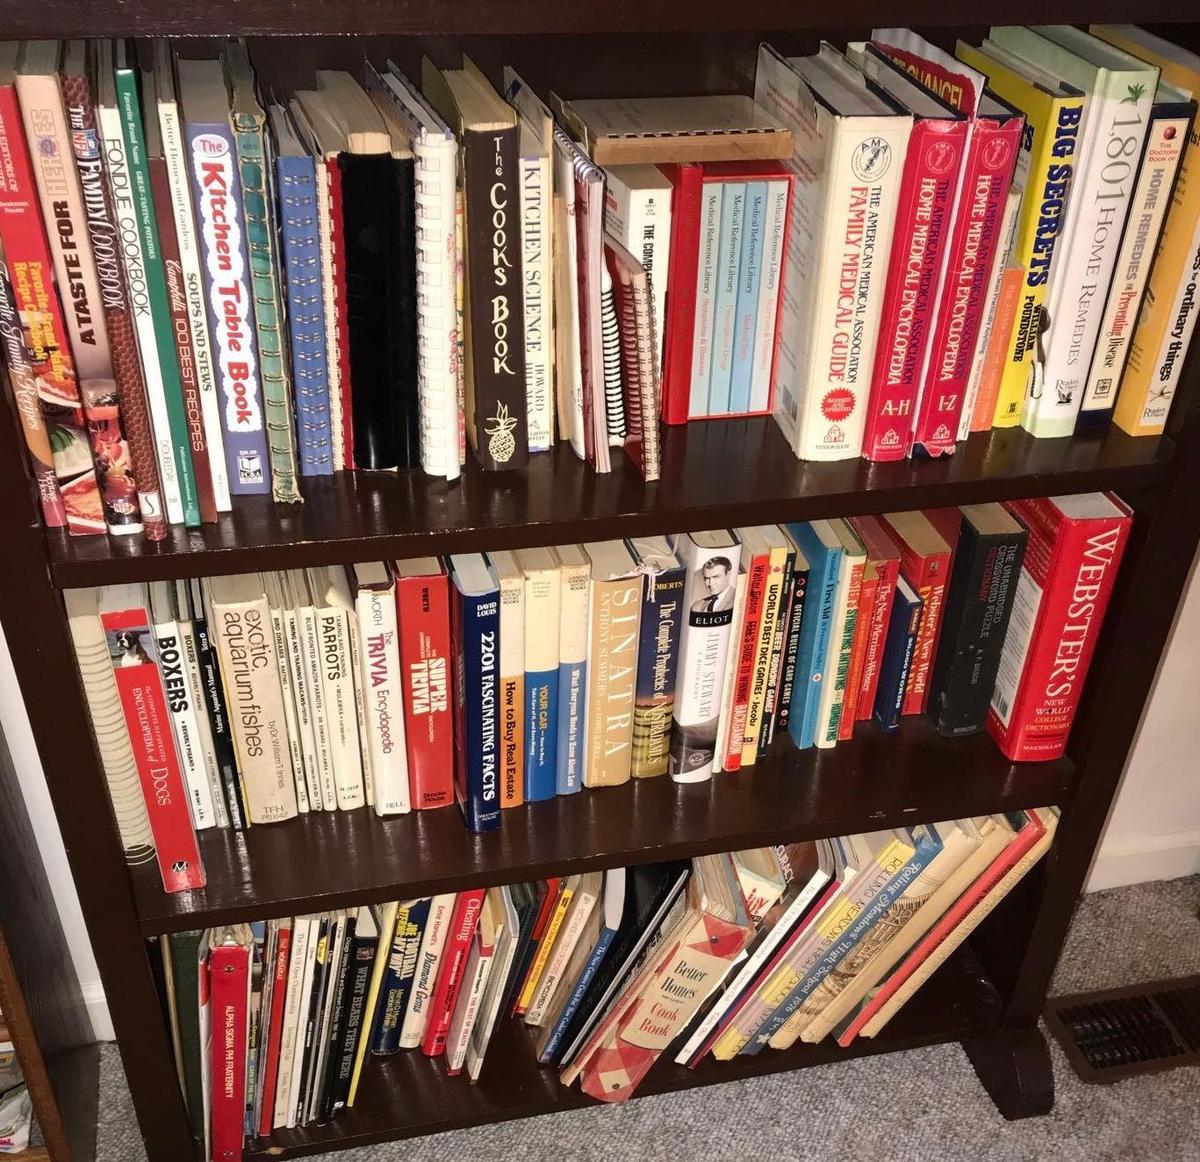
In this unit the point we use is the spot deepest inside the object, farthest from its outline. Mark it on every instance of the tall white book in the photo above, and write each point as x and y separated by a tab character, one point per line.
382	687
849	154
1119	91
275	602
292	596
435	165
179	179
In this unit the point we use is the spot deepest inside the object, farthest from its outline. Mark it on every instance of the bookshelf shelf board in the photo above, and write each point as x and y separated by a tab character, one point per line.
717	474
408	1095
327	860
377	17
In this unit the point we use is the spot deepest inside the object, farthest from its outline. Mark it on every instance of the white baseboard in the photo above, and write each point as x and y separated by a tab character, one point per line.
97	1007
1166	856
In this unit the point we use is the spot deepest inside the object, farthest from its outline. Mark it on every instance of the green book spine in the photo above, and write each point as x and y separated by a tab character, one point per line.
258	202
184	951
156	286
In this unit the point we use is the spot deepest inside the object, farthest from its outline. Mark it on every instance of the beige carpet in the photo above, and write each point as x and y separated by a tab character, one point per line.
923	1104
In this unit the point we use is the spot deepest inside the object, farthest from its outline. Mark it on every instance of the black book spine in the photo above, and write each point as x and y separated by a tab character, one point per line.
368	218
218	717
897	658
339	983
402	314
495	311
313	1019
351	1025
979	600
775	666
787	679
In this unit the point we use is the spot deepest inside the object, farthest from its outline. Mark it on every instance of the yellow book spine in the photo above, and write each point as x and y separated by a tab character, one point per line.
543	953
770	997
762	655
388	915
1051	137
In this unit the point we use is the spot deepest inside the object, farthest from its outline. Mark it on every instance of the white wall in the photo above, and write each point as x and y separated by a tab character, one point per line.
1154	830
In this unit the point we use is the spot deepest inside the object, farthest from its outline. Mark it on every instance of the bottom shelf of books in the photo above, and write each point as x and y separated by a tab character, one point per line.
394	1020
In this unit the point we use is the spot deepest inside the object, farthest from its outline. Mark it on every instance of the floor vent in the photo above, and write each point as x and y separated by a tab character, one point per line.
1143	1028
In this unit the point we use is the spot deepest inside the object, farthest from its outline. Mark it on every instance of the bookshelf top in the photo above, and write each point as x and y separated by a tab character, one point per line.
719	474
189	18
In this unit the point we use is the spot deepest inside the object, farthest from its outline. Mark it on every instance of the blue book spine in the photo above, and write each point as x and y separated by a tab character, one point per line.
541	734
898	647
729	260
221	228
815	632
658	661
398	977
928	847
554	1044
749	285
306	312
572	725
475	641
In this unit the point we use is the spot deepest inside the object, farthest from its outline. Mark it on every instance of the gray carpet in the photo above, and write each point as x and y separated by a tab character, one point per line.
921	1104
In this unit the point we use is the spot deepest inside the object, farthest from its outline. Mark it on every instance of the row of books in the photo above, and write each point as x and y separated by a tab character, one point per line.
889	247
729	955
497	679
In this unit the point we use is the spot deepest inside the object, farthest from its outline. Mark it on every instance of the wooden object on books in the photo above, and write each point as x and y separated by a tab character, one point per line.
737	472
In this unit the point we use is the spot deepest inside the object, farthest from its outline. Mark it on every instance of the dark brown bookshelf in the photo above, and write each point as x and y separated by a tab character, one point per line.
334	859
715	474
989	995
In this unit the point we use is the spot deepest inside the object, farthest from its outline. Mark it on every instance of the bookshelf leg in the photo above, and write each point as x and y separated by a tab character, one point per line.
1014	1067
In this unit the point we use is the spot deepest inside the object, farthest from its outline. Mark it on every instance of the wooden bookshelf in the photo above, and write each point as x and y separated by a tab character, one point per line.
988	997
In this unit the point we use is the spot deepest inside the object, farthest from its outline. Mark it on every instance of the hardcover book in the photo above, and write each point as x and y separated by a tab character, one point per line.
423	604
221	226
899	646
542	631
1070	566
1168	129
850	145
881	572
229	983
1119	91
687	182
711	561
979	598
575	604
612	663
495	339
474	652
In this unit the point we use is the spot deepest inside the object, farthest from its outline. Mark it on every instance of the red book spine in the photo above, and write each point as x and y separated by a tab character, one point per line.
1066	580
139	683
931	169
279	974
229	974
450	974
423	609
27	253
858	652
181	326
680	322
986	177
1021	844
881	612
756	589
333	175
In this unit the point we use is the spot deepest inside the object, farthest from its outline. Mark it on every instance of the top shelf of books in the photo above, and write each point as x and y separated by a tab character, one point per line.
411	17
715	475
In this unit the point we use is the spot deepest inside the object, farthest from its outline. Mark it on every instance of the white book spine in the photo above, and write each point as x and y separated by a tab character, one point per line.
383	693
298	674
1114	133
774	232
711	200
125	213
183	723
538	293
1008	227
246	648
1165	141
567	357
193	282
485	1023
337	421
360	708
316	687
639	218
846	180
282	650
341	713
466	1012
299	971
433	942
435	167
191	662
560	955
